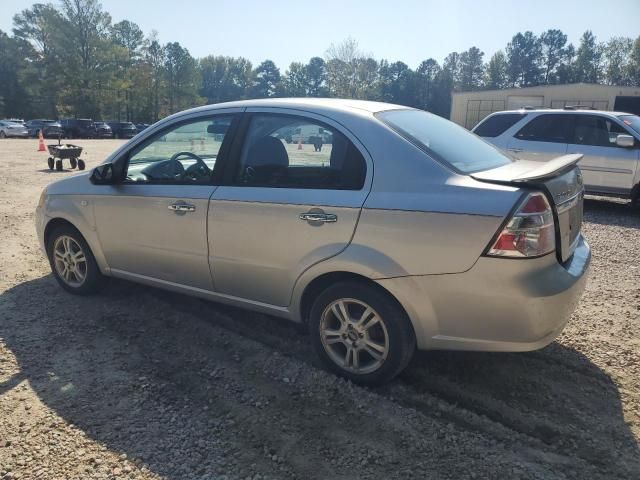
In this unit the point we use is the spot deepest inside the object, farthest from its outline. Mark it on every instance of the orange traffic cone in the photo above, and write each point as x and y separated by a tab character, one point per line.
300	143
41	142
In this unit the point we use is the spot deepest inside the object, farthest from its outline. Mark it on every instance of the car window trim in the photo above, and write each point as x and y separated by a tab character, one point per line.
220	158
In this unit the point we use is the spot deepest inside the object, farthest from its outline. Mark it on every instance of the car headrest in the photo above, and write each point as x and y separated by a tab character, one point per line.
268	151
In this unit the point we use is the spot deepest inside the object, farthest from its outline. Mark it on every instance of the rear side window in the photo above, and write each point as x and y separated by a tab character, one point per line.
444	141
548	128
284	151
498	124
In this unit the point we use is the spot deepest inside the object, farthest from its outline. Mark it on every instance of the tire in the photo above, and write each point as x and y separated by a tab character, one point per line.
84	277
3	135
59	165
386	327
73	162
81	164
50	162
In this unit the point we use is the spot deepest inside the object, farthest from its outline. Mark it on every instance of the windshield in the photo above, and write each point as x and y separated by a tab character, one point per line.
632	121
444	140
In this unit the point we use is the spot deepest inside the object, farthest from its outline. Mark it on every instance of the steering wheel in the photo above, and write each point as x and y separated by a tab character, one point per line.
195	171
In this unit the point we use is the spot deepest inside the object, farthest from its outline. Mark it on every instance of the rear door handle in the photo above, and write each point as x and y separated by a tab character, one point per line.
515	150
182	207
319	217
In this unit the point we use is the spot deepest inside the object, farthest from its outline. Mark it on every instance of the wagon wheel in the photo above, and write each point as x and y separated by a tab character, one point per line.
50	163
73	162
81	164
59	165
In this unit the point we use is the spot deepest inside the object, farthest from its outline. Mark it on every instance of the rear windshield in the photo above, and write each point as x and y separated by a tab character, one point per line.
632	121
444	140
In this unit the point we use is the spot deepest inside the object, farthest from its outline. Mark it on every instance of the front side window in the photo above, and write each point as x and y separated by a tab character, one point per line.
547	128
186	153
444	140
283	151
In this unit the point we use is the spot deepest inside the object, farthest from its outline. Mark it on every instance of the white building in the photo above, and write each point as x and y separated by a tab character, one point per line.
468	108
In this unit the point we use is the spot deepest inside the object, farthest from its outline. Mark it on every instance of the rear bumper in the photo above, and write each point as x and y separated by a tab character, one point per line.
17	134
497	305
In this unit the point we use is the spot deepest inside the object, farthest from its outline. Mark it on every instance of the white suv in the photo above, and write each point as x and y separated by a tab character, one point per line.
609	141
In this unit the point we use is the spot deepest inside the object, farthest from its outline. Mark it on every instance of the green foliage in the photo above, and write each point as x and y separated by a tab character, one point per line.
72	60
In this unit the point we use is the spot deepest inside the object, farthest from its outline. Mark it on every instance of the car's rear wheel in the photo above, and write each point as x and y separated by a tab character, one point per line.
2	135
72	261
361	333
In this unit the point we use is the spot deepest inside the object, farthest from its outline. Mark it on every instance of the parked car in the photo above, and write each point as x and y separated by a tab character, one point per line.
49	128
608	141
103	130
450	245
78	128
141	127
11	129
13	120
123	129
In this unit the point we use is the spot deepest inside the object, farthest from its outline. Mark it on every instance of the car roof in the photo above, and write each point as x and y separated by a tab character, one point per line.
568	111
309	104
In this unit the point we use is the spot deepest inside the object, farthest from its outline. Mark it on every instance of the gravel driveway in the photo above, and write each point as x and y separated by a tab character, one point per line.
140	383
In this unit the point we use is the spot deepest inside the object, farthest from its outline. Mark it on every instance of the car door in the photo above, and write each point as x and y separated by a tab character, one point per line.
606	167
284	205
543	138
154	224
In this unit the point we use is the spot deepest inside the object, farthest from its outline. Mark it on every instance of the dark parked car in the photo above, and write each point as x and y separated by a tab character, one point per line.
103	130
141	126
123	129
78	128
49	128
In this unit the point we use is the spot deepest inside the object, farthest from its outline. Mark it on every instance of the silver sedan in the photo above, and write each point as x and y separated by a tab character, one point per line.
381	227
9	129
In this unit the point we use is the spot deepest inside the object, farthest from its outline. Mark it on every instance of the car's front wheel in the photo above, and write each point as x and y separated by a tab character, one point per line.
72	261
361	333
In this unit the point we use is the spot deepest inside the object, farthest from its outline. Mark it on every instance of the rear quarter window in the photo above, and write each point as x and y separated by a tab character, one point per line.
498	124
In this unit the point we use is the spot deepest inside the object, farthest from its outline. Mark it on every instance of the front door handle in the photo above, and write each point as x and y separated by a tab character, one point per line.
182	207
319	217
515	150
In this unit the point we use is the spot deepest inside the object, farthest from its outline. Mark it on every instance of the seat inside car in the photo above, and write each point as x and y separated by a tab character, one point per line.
267	158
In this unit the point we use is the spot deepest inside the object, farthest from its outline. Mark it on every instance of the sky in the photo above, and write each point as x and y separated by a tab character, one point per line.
406	30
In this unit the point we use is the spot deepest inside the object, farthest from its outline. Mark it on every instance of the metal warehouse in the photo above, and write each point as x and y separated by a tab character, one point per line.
468	108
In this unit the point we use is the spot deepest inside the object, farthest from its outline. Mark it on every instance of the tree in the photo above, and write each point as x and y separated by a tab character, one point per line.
425	77
524	54
295	81
554	52
39	26
496	72
225	78
471	69
181	75
452	65
14	99
588	68
634	64
267	80
617	60
84	52
316	74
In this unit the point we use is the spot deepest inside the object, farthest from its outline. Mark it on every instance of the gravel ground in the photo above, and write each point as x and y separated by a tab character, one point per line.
138	383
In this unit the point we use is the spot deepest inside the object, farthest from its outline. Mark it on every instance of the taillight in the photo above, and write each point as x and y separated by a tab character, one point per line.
529	232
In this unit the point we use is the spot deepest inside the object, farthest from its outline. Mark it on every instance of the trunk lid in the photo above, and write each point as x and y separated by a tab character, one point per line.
561	179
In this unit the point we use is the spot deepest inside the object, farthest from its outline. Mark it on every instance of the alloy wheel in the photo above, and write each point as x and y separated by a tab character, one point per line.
354	336
70	261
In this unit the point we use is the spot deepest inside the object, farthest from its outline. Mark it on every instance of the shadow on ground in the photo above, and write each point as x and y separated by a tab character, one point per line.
139	370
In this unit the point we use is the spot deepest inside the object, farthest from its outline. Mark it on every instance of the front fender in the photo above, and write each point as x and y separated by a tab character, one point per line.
78	210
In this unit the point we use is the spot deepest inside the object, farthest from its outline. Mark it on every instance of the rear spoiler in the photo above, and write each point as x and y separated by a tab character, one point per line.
524	171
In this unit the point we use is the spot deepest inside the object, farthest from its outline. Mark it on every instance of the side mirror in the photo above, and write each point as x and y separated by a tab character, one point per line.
626	141
102	175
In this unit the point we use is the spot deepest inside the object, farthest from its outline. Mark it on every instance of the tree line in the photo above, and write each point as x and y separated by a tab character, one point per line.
72	60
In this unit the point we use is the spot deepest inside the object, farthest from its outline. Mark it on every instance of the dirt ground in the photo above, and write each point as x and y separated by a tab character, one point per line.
139	383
